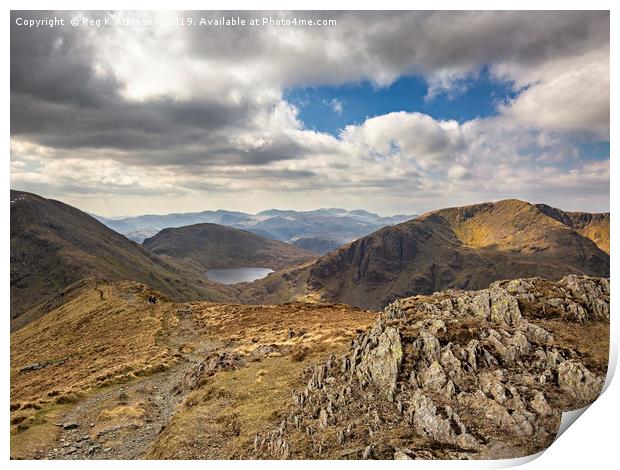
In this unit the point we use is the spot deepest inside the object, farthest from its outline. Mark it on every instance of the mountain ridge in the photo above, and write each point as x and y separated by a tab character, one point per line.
336	224
462	247
54	245
474	374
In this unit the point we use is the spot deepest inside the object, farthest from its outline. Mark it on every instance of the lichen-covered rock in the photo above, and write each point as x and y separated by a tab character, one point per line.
445	428
380	361
491	385
465	374
429	347
433	377
540	405
536	334
450	364
504	307
589	298
401	455
576	380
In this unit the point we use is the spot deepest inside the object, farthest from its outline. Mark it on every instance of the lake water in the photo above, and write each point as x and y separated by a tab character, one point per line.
234	275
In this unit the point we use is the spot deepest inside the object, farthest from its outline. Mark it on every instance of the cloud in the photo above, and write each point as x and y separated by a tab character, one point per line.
336	105
569	94
416	138
197	114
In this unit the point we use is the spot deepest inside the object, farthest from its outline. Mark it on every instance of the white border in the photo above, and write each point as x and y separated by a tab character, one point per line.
592	443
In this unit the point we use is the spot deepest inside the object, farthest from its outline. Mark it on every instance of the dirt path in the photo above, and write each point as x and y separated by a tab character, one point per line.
137	411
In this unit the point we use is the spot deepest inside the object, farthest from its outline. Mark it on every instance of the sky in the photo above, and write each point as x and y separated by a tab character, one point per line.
392	112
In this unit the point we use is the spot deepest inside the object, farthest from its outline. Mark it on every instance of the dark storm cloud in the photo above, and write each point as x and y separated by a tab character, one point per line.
387	44
148	134
56	65
59	99
116	124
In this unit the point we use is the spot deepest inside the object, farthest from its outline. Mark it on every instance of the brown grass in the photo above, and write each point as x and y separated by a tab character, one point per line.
111	334
36	433
88	342
220	420
591	339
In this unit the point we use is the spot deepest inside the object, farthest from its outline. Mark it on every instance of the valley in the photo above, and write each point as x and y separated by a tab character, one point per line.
456	248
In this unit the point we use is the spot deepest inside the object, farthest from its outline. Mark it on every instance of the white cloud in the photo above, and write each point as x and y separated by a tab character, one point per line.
416	138
406	162
336	105
567	95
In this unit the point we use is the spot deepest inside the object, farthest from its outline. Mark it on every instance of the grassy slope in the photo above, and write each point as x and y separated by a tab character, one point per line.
105	335
77	347
147	339
593	226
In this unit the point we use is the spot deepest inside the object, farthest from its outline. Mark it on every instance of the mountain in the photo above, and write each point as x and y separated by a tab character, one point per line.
339	225
54	246
463	247
144	226
593	226
209	246
135	363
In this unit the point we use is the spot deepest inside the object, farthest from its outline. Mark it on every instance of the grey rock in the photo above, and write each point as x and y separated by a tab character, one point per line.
401	455
382	362
433	377
575	379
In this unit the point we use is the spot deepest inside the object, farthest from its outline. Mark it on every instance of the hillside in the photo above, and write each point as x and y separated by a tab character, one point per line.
464	247
210	375
457	375
54	245
478	374
209	246
318	245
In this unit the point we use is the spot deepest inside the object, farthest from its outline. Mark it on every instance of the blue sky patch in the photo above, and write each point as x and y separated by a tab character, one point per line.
330	108
597	150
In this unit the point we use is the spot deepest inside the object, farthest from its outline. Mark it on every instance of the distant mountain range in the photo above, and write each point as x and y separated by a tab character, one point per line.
320	230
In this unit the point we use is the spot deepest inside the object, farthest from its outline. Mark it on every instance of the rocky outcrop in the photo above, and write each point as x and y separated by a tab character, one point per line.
213	363
452	375
378	359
